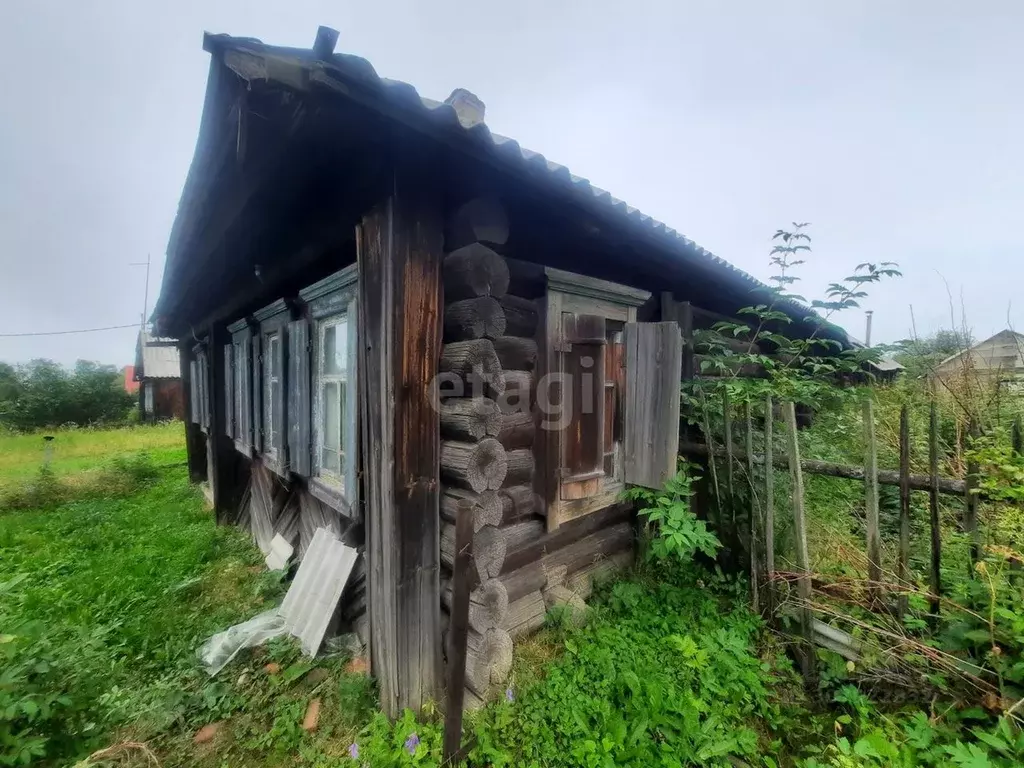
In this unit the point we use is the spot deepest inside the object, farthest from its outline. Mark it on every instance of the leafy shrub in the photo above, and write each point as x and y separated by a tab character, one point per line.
677	533
35	697
663	674
44	394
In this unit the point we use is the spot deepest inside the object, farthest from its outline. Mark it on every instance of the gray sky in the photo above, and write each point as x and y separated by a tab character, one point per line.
897	129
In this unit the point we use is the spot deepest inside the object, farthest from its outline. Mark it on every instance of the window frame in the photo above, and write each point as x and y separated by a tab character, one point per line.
330	302
241	349
569	294
271	442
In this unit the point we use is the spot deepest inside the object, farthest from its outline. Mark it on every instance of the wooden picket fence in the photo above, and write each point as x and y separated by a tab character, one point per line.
759	533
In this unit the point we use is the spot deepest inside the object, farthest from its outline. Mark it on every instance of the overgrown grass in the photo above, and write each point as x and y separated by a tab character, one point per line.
75	450
110	579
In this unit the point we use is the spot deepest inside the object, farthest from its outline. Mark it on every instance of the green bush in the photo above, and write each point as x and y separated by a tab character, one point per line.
44	394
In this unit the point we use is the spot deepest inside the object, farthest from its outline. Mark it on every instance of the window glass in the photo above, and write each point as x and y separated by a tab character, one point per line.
271	389
149	397
332	382
336	348
240	372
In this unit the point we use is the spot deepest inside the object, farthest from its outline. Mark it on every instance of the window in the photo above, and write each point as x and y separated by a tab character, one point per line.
586	392
241	380
332	382
199	389
330	403
271	393
148	397
230	417
270	405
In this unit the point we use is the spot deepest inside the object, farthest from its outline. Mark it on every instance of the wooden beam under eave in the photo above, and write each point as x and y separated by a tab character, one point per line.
400	246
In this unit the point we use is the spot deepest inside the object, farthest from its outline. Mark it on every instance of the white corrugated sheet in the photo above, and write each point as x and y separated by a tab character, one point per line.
313	597
159	358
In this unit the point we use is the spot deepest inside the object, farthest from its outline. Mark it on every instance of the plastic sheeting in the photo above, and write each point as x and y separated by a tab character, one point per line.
307	609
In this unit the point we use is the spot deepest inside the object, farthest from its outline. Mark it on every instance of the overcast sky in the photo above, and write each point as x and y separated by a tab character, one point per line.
897	129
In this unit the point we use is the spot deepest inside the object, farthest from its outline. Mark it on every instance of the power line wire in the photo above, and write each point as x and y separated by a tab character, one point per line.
64	333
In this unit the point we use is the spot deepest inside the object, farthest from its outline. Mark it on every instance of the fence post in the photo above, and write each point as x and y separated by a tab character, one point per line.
933	509
755	575
458	631
871	500
730	486
971	498
1017	437
769	505
903	571
800	530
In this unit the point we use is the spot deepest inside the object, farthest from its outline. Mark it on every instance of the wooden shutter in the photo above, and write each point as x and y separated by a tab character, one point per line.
352	410
280	399
193	391
244	432
583	367
229	390
299	413
256	393
654	360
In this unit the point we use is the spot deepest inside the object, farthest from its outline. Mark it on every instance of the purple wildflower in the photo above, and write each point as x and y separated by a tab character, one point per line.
353	751
509	695
411	743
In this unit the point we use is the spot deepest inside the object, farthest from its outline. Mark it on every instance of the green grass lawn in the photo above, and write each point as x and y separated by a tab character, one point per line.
75	450
107	593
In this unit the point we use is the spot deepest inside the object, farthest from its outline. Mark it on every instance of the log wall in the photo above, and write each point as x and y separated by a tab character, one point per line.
488	463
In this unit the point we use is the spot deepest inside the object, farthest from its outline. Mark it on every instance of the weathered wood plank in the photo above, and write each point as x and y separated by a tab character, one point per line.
769	503
902	564
458	630
400	254
827	468
933	508
874	541
653	369
800	531
971	497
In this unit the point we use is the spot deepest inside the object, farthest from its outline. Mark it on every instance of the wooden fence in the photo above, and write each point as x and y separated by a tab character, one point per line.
759	537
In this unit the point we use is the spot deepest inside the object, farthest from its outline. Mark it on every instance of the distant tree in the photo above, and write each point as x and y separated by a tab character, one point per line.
920	356
44	394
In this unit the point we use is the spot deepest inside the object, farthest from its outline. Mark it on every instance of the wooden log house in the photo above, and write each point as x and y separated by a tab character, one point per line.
395	317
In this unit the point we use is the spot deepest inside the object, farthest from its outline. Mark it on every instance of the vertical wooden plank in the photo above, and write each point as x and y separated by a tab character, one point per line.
720	515
971	497
769	503
902	568
458	632
732	536
684	314
549	398
195	443
933	509
299	412
755	573
653	364
400	250
228	471
874	543
800	532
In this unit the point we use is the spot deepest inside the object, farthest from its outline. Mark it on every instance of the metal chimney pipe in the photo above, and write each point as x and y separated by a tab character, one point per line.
867	330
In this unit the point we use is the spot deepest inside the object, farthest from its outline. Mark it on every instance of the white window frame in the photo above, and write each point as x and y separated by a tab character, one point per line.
147	397
320	381
270	443
332	302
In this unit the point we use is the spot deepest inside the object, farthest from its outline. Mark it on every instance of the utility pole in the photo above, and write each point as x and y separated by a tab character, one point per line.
145	300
